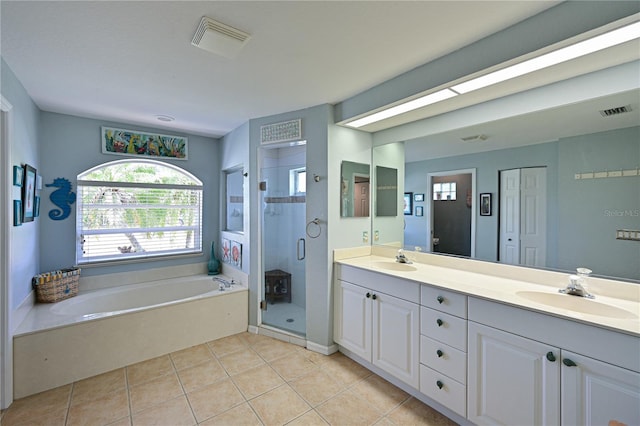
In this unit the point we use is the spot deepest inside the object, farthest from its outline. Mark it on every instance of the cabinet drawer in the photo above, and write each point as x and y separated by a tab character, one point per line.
443	358
444	328
444	300
443	389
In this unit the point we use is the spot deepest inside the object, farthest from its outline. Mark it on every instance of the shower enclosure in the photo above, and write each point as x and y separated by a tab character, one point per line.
283	181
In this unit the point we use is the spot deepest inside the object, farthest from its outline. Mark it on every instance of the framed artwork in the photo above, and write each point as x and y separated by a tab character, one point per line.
408	203
18	175
419	211
226	250
36	207
143	144
28	194
236	254
485	204
17	212
418	197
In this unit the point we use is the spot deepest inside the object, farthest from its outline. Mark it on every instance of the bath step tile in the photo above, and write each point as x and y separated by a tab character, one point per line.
256	381
279	406
154	392
200	375
32	408
98	386
239	362
148	370
214	399
191	356
108	409
242	415
175	412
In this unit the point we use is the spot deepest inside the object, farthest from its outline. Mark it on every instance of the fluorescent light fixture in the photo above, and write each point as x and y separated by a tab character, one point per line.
404	107
601	42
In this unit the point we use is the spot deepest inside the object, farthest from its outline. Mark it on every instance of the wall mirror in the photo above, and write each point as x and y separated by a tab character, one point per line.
589	161
355	196
386	191
234	199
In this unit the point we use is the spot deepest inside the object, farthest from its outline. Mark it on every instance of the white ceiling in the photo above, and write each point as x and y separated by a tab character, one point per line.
129	61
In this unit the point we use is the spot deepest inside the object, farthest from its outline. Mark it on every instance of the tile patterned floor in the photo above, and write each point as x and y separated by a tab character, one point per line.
245	379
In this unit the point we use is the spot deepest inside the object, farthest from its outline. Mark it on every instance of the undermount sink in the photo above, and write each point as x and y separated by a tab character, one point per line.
577	304
394	266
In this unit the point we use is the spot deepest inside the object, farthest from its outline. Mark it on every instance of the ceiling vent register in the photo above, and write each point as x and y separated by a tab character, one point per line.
219	38
286	131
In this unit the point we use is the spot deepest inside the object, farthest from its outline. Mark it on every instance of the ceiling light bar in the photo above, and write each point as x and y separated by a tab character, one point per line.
404	107
594	44
601	42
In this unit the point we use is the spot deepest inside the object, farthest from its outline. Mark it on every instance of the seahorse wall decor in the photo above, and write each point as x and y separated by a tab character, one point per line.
62	197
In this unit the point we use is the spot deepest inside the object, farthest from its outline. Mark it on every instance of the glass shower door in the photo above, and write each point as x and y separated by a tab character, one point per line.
283	244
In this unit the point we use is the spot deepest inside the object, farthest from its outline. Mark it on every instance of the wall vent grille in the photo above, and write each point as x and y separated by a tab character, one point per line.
615	111
285	131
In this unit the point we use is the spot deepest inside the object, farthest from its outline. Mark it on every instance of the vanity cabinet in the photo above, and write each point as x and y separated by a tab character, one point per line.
530	368
443	347
380	327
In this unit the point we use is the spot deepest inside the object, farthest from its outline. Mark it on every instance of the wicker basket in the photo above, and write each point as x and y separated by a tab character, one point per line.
57	285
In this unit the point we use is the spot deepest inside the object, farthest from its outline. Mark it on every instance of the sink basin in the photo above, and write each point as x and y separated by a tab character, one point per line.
577	304
394	266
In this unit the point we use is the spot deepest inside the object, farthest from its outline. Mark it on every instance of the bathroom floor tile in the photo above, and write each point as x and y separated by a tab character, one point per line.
379	393
98	386
148	370
214	399
293	366
191	356
53	418
154	392
242	415
175	412
102	411
344	370
310	418
316	387
257	381
279	406
347	408
273	349
201	375
38	405
227	345
415	412
238	362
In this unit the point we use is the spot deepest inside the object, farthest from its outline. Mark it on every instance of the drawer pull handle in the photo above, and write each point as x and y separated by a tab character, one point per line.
440	299
551	357
440	353
368	295
569	363
439	384
374	297
440	322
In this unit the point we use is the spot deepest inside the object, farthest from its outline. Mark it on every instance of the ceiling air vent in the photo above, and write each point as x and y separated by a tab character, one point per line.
615	111
475	138
219	38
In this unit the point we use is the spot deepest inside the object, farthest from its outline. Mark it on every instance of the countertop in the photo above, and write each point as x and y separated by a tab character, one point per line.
506	290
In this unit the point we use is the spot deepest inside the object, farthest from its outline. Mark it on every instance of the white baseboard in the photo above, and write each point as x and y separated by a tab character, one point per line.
322	349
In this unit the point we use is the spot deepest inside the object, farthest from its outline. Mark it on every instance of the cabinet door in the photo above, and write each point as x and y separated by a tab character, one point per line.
597	393
396	337
512	380
353	319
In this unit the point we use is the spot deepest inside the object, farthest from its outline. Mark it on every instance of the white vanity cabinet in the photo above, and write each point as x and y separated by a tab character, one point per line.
377	319
531	368
443	347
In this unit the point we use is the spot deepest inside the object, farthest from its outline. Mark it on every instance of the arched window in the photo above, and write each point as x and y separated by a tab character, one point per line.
137	209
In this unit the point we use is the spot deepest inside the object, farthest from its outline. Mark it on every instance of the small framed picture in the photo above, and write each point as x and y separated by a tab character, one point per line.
418	197
18	175
28	193
17	212
36	207
408	203
485	204
419	211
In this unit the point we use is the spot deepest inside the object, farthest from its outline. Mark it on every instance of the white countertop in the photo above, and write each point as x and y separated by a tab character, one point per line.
505	290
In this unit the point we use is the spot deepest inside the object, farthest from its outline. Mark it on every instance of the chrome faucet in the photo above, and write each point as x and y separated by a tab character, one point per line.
402	258
576	287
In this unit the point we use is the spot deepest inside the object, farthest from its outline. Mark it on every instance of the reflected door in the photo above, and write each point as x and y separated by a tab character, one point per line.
283	240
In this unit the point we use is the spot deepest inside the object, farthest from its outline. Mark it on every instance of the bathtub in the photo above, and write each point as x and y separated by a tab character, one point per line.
102	330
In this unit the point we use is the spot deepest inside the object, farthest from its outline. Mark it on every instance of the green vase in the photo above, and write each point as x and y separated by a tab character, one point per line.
214	263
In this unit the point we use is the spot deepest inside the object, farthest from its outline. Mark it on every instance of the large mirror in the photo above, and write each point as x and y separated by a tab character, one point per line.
557	184
355	189
234	199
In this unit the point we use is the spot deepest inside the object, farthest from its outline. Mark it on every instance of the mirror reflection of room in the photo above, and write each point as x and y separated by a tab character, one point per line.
234	199
355	189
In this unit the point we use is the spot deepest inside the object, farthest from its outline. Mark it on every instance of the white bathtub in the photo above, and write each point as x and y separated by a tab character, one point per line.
102	330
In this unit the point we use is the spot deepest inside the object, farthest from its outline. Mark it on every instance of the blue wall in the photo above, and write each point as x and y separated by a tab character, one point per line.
25	239
72	145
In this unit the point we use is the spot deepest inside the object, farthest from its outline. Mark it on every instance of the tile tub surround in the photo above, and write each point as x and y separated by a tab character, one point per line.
46	359
500	283
241	379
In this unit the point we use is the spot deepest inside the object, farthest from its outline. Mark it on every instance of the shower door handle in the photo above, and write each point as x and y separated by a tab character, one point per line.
304	248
